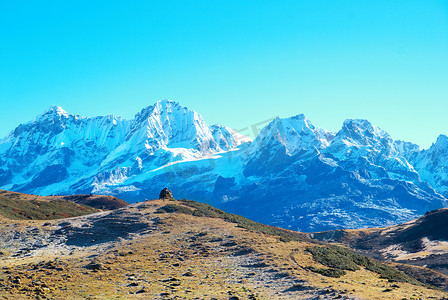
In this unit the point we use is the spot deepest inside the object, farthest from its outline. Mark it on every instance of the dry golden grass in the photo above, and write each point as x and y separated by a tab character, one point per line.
188	257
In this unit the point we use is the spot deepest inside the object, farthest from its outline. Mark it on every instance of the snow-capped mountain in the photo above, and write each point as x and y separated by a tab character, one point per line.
316	180
58	152
432	164
361	143
283	142
41	153
293	175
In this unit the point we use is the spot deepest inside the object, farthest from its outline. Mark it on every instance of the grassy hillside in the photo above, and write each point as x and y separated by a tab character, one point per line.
167	249
20	206
96	201
336	259
422	242
206	210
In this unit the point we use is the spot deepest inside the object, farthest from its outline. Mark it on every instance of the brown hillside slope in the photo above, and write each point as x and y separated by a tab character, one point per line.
420	242
103	202
164	249
20	206
33	207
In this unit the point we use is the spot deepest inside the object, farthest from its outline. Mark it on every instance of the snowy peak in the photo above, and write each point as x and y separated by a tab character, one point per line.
362	133
438	150
50	121
160	108
436	156
360	138
55	121
53	114
294	134
363	147
55	110
441	143
227	138
56	137
169	125
283	142
432	164
167	112
406	148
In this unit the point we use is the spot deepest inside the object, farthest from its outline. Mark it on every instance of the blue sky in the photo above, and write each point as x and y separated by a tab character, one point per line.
236	62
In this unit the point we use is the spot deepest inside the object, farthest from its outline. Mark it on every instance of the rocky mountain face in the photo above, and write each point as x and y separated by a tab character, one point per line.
432	164
293	175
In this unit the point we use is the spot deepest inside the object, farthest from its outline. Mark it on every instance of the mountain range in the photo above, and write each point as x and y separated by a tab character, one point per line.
293	174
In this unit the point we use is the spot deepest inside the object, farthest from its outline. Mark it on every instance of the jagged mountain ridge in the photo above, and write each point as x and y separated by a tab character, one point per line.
358	178
432	164
293	175
58	147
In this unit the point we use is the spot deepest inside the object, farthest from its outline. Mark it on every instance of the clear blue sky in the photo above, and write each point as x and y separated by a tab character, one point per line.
235	62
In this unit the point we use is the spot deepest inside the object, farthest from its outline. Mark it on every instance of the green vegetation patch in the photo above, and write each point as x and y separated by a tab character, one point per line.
205	210
335	257
340	258
173	208
328	272
13	207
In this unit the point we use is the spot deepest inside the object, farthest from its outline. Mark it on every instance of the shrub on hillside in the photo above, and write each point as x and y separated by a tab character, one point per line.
344	259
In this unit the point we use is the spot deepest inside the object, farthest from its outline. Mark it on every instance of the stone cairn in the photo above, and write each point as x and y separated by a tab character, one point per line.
166	194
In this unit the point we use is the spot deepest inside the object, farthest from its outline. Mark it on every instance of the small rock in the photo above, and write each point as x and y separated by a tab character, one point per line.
170	279
143	290
17	280
95	266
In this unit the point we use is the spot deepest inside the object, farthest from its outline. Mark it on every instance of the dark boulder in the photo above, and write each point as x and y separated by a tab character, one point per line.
165	194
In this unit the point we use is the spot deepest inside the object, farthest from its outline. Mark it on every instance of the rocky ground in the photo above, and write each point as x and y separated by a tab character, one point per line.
134	252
